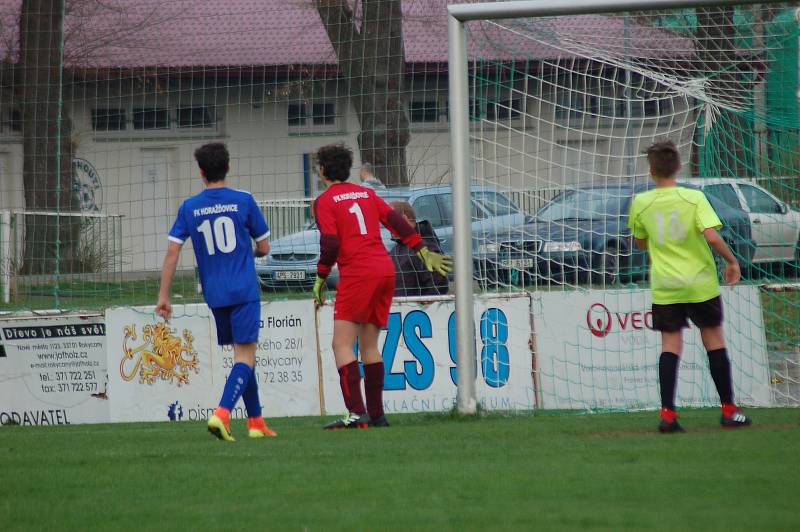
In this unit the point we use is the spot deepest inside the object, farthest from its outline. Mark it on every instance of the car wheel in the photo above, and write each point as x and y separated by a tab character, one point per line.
607	263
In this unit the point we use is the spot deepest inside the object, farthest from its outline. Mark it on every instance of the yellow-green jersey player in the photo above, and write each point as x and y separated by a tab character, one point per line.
679	227
673	220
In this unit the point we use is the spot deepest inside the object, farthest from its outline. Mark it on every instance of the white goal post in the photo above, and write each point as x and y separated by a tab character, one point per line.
462	179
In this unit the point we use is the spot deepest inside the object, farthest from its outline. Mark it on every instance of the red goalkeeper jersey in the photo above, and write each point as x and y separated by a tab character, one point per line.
349	218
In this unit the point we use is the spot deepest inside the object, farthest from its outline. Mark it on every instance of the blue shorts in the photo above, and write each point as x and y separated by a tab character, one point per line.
238	324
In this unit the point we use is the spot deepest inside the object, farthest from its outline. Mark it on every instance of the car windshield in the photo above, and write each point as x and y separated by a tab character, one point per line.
495	204
584	204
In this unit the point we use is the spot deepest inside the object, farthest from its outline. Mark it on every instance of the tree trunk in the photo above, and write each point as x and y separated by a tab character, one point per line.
50	241
372	61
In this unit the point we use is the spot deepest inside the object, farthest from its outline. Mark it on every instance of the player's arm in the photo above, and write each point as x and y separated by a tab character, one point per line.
262	248
399	226
177	236
707	222
638	230
732	271
259	230
164	307
328	246
328	239
407	233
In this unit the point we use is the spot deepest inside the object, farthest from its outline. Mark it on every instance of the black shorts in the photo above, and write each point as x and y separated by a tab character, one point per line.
672	317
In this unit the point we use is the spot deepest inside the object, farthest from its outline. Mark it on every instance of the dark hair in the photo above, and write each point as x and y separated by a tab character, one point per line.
405	208
664	159
213	159
336	161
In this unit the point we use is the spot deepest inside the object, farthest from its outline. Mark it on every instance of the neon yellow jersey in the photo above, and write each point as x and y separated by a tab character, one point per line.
673	219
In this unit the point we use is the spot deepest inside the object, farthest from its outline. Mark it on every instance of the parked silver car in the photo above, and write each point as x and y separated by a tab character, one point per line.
292	261
775	224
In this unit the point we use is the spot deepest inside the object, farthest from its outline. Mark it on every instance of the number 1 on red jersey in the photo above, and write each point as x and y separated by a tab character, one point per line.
355	209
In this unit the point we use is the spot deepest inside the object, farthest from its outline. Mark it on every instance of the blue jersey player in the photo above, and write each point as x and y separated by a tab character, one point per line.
222	222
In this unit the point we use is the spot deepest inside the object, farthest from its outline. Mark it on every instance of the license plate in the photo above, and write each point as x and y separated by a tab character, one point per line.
517	263
290	275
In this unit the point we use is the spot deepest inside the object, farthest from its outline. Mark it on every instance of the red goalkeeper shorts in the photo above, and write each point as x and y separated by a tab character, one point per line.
364	299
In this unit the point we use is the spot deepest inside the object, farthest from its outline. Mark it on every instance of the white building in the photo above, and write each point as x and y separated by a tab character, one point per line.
264	81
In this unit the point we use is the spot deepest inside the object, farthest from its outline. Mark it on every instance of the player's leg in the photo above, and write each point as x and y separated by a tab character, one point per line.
373	373
344	339
368	344
669	320
708	317
246	320
219	422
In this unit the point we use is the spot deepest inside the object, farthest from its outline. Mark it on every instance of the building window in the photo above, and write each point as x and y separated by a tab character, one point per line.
200	116
15	120
323	114
644	108
11	121
108	119
151	118
510	109
423	111
297	114
307	117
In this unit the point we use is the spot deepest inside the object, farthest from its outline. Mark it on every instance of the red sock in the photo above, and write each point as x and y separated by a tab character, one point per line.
728	409
373	385
668	415
350	382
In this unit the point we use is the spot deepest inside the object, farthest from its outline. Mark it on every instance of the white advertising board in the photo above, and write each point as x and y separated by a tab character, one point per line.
286	359
53	370
181	376
596	349
160	371
419	353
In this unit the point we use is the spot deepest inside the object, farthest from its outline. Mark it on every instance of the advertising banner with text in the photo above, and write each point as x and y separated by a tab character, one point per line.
419	353
53	370
177	371
286	359
596	349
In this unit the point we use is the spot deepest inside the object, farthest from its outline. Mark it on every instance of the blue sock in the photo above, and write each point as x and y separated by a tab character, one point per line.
250	397
235	385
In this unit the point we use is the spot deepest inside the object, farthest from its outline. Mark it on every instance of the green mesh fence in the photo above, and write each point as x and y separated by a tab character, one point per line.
103	103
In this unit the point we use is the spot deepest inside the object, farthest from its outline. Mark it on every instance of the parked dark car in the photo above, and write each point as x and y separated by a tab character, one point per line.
292	261
582	236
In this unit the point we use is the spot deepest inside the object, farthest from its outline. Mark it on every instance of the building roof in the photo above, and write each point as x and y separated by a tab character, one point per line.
226	33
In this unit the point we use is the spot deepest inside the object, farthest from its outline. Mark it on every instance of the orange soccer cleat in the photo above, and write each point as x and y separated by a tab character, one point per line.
220	424
256	428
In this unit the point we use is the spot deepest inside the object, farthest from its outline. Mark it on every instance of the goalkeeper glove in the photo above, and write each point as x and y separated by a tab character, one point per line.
319	290
435	262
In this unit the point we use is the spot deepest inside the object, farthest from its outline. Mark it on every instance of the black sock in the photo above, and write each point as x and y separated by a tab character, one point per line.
720	367
668	378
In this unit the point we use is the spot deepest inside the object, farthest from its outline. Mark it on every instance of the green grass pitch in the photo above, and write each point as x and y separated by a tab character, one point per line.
548	471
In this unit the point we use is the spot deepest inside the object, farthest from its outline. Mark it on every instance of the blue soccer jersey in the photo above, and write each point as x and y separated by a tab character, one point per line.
221	223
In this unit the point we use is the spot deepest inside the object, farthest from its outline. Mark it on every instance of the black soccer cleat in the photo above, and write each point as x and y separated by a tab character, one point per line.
379	421
736	419
666	427
350	421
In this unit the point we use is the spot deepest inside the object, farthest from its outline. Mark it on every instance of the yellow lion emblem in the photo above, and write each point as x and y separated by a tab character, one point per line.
165	360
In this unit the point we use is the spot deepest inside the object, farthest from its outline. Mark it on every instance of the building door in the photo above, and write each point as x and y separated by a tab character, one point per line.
157	209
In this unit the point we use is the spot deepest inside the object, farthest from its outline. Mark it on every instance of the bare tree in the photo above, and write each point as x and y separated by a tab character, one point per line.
372	60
